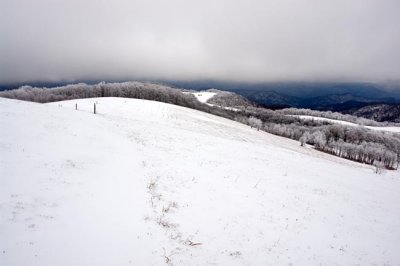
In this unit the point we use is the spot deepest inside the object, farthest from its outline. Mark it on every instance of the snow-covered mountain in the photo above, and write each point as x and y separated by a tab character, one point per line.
149	183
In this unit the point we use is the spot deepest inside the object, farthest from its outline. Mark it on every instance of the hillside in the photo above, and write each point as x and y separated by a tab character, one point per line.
393	129
324	96
149	183
377	112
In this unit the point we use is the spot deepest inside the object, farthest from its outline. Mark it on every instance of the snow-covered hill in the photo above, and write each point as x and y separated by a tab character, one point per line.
204	96
148	183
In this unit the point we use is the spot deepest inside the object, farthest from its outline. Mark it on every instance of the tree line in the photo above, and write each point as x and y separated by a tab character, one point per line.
137	90
336	116
354	143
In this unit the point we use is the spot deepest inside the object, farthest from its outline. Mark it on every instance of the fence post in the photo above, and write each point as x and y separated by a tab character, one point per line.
94	108
76	106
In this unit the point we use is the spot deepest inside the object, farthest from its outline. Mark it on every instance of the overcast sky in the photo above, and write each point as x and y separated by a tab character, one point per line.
282	40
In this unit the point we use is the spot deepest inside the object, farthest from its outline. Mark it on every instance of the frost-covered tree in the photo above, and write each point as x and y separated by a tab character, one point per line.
305	138
255	122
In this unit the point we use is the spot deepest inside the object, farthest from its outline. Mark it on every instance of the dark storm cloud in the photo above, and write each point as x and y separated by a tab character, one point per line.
211	39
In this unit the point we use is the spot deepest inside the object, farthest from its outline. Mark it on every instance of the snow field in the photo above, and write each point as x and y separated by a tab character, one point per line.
144	183
204	96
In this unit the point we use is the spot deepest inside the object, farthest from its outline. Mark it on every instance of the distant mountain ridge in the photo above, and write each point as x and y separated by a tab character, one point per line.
342	97
370	100
377	112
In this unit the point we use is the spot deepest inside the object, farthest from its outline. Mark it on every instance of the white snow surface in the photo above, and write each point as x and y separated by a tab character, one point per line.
389	129
148	183
204	96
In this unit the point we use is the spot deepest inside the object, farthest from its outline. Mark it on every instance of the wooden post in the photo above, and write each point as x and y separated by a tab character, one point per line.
76	106
94	108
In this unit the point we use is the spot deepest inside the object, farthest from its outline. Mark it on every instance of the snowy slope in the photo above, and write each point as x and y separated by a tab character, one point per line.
204	96
147	183
389	129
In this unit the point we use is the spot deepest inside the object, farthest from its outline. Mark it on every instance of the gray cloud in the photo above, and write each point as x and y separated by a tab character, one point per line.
210	39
